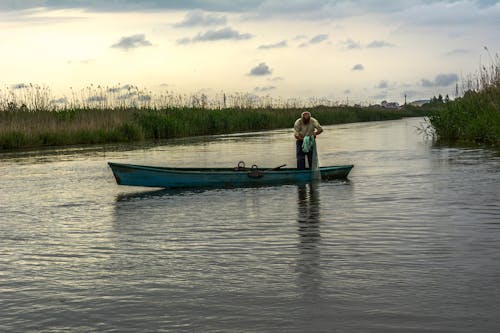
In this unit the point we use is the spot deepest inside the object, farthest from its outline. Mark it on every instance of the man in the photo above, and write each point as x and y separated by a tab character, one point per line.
305	126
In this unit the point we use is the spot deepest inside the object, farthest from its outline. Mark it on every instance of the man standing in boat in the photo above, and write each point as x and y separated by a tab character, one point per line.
306	129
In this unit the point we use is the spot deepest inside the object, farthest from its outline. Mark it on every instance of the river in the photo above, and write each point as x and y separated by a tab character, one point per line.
410	243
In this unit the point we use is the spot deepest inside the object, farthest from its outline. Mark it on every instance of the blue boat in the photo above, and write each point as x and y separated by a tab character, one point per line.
166	177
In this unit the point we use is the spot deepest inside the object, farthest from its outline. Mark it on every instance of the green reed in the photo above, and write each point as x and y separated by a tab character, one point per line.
31	117
474	117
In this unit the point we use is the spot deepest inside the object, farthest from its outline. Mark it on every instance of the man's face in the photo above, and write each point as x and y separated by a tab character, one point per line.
305	118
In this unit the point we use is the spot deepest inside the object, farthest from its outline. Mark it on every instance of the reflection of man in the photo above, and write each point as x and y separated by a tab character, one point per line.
305	128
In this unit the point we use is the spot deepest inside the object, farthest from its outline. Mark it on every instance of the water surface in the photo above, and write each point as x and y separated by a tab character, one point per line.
410	243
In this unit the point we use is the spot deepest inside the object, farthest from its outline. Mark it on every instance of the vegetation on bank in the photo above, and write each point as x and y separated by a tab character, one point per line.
474	117
23	128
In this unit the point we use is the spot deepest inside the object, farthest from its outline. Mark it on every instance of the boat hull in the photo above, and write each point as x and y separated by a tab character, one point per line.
165	177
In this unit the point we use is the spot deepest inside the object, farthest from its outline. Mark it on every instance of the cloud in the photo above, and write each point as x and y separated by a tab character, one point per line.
318	39
62	100
378	44
354	45
381	95
133	5
120	88
260	70
409	93
216	35
427	83
347	92
458	52
444	80
264	89
96	99
20	86
281	44
350	44
382	84
132	42
441	80
314	40
199	18
358	67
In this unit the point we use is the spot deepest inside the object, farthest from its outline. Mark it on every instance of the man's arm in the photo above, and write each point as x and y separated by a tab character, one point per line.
296	129
318	127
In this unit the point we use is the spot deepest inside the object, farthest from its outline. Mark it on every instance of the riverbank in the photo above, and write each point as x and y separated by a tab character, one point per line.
31	129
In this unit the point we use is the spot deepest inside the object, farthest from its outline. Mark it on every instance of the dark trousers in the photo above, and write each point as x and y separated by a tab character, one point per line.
301	156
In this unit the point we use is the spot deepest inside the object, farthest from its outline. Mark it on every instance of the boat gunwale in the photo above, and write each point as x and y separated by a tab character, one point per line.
220	171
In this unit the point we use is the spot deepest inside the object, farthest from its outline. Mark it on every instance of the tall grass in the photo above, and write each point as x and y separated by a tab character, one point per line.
474	117
31	117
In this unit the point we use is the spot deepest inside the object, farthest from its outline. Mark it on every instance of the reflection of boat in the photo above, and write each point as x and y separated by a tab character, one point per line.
152	176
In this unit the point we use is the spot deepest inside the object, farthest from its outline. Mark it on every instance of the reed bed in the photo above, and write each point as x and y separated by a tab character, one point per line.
475	116
31	117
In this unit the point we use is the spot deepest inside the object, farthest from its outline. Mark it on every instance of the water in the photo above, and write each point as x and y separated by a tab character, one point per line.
410	243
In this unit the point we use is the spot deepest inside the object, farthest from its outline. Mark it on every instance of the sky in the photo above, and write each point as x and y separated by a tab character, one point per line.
361	51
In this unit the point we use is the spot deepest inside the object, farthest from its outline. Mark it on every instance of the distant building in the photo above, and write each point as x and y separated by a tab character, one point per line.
419	103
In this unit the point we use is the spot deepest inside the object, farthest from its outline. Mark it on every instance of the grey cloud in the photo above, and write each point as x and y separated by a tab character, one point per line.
382	95
318	39
281	44
260	70
306	9
215	35
199	18
379	44
350	44
444	80
96	99
144	98
347	91
441	80
409	93
458	52
264	89
382	84
120	88
134	5
300	37
132	42
314	40
353	45
358	67
427	83
62	100
20	86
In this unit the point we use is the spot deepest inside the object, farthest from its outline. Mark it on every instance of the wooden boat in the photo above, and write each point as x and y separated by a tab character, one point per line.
167	177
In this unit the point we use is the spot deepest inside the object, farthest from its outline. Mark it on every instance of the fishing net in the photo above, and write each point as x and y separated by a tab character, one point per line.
315	162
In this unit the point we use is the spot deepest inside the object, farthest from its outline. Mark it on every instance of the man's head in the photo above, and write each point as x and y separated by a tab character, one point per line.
306	117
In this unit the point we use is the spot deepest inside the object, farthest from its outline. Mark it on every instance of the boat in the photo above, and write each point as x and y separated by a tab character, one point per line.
169	177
